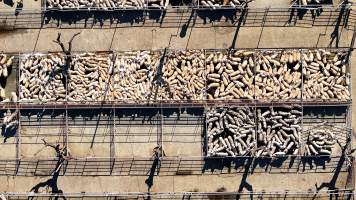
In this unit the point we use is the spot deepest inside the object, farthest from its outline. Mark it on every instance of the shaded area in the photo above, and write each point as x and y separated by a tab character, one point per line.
8	132
286	164
217	15
213	164
9	2
167	166
157	154
239	24
244	183
52	183
301	12
90	19
335	35
310	163
226	17
186	25
151	174
344	159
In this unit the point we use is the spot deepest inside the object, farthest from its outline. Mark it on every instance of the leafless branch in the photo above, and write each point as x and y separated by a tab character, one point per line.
59	42
71	40
48	144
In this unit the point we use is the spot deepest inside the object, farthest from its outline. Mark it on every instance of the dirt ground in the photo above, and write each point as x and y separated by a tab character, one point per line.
177	133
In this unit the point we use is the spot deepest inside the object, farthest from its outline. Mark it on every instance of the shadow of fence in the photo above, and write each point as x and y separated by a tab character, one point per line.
171	166
176	17
340	194
178	124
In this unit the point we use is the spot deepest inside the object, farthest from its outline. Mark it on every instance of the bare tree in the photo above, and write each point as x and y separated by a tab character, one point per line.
60	43
68	56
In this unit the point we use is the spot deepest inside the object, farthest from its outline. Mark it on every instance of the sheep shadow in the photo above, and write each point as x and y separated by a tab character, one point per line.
218	165
145	115
281	164
157	15
92	18
9	3
314	163
258	164
218	15
301	12
28	116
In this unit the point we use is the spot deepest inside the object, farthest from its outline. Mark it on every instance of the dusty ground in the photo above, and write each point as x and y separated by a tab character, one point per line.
172	183
11	5
158	38
134	38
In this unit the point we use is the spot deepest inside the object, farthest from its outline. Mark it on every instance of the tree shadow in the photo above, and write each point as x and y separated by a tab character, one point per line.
279	161
244	184
238	26
331	185
184	28
152	172
51	183
335	35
